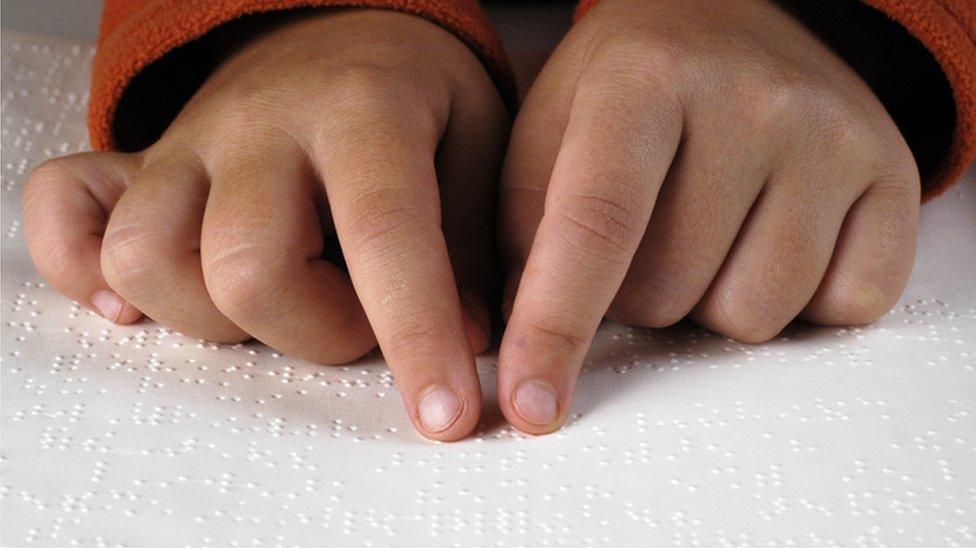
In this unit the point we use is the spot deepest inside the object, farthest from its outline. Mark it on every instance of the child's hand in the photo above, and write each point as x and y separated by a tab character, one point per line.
704	158
217	229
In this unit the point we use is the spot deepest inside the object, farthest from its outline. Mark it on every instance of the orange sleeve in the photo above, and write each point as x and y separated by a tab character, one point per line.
947	29
135	34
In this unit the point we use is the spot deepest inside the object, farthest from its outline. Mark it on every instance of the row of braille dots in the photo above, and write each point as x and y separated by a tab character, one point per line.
72	415
277	427
35	534
285	375
350	523
57	438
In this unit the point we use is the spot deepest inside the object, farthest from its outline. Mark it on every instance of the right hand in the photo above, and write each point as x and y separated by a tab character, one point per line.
703	158
377	127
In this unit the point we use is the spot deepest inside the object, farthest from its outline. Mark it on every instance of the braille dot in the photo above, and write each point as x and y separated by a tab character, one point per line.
858	436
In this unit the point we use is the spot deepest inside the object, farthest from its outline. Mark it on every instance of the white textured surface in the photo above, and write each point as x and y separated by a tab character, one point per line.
139	435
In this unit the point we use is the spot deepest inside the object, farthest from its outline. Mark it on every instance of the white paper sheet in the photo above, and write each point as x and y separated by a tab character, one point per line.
137	435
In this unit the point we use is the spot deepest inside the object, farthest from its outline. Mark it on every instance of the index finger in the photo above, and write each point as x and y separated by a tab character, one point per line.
622	132
383	192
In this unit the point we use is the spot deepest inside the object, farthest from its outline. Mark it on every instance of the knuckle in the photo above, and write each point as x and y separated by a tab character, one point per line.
623	72
243	281
902	182
239	121
861	297
131	256
245	108
364	97
745	318
640	55
763	98
365	87
900	188
600	227
766	97
382	218
419	336
557	333
755	308
859	301
838	130
898	155
771	92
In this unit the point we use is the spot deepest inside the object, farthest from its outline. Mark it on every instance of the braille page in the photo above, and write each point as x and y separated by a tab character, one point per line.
139	435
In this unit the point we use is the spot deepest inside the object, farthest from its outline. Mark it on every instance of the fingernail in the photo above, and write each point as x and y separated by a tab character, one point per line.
439	408
536	402
108	303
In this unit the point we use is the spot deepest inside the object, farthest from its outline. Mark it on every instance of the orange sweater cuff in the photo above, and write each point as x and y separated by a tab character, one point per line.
136	33
947	28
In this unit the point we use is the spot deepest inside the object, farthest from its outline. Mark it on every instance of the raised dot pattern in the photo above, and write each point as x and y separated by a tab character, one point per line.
136	435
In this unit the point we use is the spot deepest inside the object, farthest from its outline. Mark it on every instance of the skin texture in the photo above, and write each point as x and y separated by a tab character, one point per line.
377	127
697	158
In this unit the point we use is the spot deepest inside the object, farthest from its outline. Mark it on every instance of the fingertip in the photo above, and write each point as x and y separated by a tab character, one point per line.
115	309
534	407
129	315
537	371
443	414
476	332
438	409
